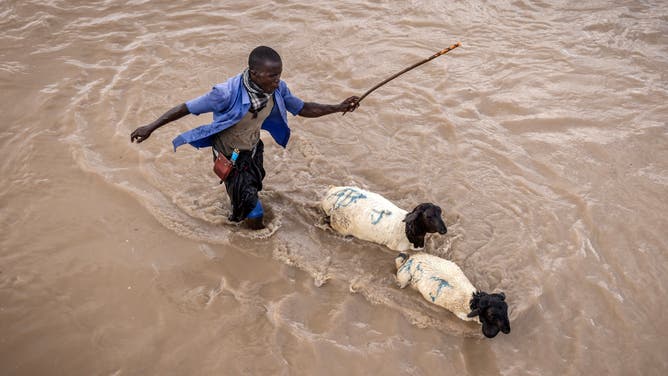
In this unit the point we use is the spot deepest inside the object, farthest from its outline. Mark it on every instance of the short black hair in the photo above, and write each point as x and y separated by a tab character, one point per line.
261	54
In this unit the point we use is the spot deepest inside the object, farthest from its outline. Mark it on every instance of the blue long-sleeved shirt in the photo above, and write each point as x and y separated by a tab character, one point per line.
229	102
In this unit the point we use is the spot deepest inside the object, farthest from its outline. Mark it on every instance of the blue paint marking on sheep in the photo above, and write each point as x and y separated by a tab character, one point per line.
380	213
347	197
406	265
441	284
418	268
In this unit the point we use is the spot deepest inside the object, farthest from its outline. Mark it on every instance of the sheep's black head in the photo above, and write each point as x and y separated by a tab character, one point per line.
425	218
492	311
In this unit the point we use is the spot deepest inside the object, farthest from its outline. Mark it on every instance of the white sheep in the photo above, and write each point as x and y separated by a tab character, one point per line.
370	216
443	283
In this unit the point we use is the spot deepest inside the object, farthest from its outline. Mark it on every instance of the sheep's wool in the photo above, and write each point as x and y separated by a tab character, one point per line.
439	281
367	216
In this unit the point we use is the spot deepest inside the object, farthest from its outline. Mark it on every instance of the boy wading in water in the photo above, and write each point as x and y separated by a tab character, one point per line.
252	100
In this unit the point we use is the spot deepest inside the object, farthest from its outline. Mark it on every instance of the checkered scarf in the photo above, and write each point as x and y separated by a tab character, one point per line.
258	97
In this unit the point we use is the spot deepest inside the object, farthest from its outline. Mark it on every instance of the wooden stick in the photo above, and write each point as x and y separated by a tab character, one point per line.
434	56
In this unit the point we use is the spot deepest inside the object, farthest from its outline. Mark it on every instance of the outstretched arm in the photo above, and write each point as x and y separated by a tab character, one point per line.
312	110
142	133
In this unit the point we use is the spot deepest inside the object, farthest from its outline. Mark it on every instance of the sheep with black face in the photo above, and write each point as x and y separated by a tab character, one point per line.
369	216
442	282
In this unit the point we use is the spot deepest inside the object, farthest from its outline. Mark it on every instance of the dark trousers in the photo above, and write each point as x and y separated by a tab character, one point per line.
245	181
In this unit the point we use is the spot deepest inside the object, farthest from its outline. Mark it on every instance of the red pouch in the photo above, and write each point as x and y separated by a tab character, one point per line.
222	167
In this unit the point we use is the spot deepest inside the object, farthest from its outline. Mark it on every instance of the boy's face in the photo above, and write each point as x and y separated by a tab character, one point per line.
267	75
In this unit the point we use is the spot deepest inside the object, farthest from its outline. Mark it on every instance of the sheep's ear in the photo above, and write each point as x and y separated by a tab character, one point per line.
502	295
474	313
412	216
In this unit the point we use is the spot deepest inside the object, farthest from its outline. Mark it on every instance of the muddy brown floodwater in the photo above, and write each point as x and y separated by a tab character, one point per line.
544	138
